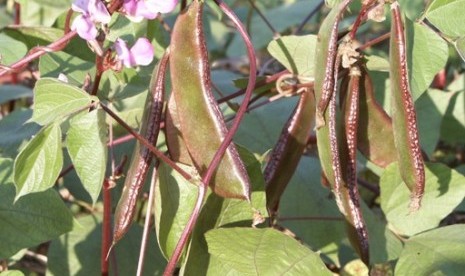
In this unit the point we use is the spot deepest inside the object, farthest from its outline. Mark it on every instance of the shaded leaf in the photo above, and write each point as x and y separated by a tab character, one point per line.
436	252
16	131
39	163
249	251
54	100
296	53
444	190
31	220
78	252
261	34
10	92
87	147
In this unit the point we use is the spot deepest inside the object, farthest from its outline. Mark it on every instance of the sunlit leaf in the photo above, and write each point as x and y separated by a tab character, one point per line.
54	100
296	53
447	16
436	252
11	50
249	251
444	190
86	143
39	163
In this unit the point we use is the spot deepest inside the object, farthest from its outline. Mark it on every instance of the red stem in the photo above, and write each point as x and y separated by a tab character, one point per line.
38	52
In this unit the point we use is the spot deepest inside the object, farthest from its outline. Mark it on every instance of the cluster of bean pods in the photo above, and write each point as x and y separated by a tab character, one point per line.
195	128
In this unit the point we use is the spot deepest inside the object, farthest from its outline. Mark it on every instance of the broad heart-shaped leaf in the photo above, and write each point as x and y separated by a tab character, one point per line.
453	124
39	163
296	53
220	212
261	34
74	68
15	131
86	143
175	199
412	8
32	219
250	251
54	100
447	16
444	190
436	252
11	50
78	252
427	55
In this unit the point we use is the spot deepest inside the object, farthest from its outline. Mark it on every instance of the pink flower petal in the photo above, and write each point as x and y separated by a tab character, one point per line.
80	6
137	10
142	51
99	12
84	27
124	55
161	6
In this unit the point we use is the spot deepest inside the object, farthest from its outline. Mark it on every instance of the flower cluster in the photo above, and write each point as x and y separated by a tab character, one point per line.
93	12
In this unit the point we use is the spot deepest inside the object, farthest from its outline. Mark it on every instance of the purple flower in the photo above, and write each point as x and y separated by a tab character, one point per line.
141	53
92	11
137	10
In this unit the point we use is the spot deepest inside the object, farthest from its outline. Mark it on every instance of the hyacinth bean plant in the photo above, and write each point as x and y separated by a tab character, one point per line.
238	137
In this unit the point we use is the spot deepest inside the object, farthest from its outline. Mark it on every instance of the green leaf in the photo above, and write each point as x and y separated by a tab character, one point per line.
460	47
249	251
54	100
38	165
444	190
31	220
221	212
412	8
175	199
324	230
16	131
86	143
259	130
74	68
42	12
9	92
436	252
78	252
377	63
11	50
453	125
296	53
39	35
447	15
261	34
12	273
427	55
430	108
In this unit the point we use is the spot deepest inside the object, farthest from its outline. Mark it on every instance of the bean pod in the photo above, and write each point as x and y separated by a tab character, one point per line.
201	121
142	157
403	114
